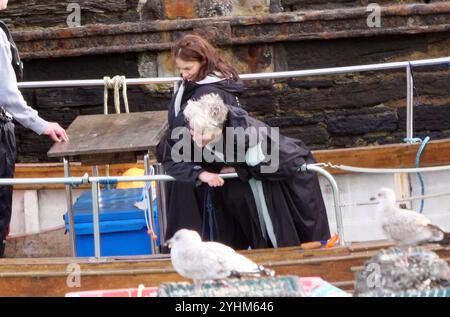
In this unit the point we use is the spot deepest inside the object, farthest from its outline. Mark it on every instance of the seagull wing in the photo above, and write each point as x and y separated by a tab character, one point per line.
407	226
229	260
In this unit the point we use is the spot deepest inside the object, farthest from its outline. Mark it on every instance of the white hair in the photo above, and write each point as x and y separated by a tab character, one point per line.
209	113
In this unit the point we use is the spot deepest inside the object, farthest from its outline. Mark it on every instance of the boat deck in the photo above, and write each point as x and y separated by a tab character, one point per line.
49	276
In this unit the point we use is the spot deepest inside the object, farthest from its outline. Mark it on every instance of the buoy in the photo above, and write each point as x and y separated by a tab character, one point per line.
134	171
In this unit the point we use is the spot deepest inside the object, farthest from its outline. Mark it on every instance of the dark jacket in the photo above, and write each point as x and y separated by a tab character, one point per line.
294	199
186	198
186	171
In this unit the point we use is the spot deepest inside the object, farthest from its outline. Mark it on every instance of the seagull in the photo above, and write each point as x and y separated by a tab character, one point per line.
197	260
407	227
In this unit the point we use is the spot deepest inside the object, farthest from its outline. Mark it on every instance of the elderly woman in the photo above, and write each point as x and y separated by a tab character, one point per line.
270	204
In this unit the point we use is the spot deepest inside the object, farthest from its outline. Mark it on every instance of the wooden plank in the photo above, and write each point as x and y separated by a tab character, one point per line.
383	156
114	133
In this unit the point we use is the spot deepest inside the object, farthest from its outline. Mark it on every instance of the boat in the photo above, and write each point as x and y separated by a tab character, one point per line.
59	276
38	266
56	274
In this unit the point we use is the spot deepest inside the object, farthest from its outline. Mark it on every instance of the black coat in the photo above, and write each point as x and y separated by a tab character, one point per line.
294	199
185	198
229	214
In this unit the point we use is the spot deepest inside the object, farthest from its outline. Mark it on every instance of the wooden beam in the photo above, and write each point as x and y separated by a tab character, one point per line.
381	156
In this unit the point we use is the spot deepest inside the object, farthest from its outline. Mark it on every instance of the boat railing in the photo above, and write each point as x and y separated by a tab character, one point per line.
406	65
94	181
319	168
112	180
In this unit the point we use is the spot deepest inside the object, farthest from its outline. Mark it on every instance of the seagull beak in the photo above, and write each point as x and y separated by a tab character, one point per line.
168	243
373	199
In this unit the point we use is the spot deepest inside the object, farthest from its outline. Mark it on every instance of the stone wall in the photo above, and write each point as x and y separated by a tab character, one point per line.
326	112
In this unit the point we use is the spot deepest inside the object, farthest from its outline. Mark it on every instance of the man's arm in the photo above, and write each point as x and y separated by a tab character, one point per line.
12	100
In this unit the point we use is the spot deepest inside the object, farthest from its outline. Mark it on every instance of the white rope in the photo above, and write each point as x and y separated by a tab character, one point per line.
398	200
148	203
388	170
115	83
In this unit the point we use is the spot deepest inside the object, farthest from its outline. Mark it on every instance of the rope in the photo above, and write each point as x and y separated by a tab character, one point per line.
419	153
148	203
210	212
387	170
115	83
421	197
418	140
422	185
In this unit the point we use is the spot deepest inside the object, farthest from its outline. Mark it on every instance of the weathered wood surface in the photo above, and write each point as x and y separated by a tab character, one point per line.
234	30
382	156
115	133
26	14
48	277
48	243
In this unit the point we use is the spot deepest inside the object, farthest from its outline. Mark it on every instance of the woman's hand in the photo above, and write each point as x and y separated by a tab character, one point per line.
212	179
227	169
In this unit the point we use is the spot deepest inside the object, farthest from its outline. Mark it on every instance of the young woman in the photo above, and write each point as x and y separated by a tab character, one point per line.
203	71
271	203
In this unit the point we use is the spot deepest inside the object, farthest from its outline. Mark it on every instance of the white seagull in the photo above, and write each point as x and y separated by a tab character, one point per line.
407	227
197	260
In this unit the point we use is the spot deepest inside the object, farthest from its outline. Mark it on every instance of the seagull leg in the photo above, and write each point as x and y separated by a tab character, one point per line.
403	261
197	292
408	254
223	282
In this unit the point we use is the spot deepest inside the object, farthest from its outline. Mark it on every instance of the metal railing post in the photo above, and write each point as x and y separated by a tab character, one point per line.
162	207
69	207
151	216
336	197
409	104
95	219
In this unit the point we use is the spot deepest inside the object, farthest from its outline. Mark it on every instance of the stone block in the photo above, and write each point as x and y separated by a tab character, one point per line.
362	123
250	7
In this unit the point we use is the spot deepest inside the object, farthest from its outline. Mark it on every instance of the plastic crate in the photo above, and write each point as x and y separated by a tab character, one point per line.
123	230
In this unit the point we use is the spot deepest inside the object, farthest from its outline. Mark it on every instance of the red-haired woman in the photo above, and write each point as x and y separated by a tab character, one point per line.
203	71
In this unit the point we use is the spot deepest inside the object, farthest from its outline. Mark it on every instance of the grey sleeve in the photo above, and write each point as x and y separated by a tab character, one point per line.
10	96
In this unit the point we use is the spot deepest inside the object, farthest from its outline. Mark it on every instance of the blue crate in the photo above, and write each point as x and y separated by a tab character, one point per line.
123	230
